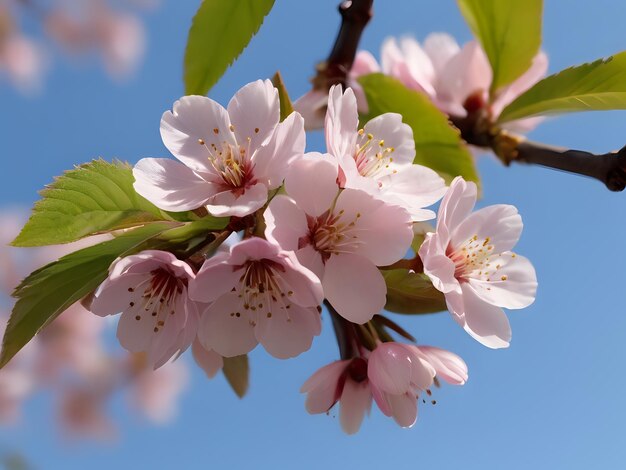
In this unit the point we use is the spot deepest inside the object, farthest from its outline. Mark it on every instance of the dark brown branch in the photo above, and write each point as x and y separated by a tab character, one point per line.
355	14
609	168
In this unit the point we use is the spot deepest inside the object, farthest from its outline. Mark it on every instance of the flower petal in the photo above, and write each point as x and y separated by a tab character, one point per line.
403	408
356	400
513	285
440	47
342	121
456	205
285	222
449	366
437	266
238	203
195	124
323	387
170	185
501	224
314	195
216	277
226	328
113	295
394	134
254	112
210	361
354	287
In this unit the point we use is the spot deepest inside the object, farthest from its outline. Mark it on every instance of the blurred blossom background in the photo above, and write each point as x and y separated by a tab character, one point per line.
81	79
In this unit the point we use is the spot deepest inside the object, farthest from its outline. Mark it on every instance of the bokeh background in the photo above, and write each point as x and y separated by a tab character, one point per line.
554	399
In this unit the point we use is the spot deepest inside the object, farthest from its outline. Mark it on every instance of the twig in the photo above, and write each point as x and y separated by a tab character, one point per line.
609	168
355	15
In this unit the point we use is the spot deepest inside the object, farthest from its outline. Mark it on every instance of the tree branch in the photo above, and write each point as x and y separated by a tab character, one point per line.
355	15
609	168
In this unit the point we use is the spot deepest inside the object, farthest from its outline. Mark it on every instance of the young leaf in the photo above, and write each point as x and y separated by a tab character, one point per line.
286	108
92	198
50	290
411	293
596	86
220	31
437	144
237	373
510	33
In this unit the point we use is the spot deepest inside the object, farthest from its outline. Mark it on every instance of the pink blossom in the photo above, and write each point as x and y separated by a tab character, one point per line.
155	393
378	158
258	293
82	412
468	258
452	76
122	39
208	360
344	382
22	60
399	373
229	159
150	289
341	235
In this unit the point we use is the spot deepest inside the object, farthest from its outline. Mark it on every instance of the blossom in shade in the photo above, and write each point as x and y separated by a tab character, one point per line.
468	258
399	373
454	77
208	360
341	235
257	293
378	158
155	393
150	289
344	382
228	158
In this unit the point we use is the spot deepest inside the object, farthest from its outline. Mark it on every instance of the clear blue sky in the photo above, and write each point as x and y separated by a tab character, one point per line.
553	400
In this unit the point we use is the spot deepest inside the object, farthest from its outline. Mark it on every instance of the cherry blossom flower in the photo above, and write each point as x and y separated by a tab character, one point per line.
259	294
454	77
344	382
81	412
150	289
230	158
208	360
468	258
22	60
378	158
341	235
399	373
155	393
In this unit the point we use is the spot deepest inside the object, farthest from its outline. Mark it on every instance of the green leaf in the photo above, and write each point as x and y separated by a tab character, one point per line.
437	144
237	373
286	108
220	31
596	86
92	198
510	33
411	293
50	290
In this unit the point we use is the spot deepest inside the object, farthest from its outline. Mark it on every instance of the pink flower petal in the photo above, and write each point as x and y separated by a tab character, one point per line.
513	285
485	322
404	408
286	143
216	277
440	47
195	124
302	282
356	400
226	328
288	332
323	387
364	63
210	361
500	223
354	287
312	106
254	112
342	120
395	134
170	185
113	295
449	366
457	204
314	195
285	222
437	265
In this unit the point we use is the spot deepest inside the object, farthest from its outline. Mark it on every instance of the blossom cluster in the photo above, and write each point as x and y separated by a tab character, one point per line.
456	78
313	228
71	360
76	27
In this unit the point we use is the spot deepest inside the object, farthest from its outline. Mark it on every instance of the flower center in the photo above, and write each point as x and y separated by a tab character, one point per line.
231	164
260	288
334	233
474	258
371	156
158	299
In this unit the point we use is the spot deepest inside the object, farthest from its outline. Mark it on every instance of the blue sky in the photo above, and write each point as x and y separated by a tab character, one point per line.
552	400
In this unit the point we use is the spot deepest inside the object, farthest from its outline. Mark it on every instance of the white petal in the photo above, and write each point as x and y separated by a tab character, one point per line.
236	203
513	285
395	134
170	185
501	223
342	120
190	129
254	112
